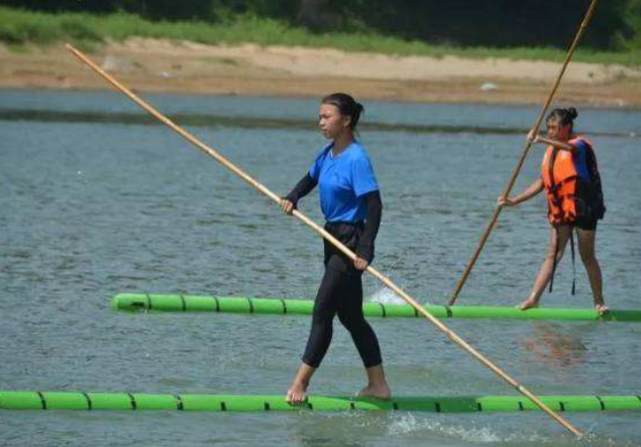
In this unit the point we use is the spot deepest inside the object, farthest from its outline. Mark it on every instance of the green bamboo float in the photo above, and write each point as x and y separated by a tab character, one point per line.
35	400
277	306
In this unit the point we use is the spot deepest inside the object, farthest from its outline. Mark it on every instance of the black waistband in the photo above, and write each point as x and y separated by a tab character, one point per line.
358	223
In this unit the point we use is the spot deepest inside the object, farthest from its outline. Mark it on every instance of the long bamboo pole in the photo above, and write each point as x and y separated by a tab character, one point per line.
240	173
528	144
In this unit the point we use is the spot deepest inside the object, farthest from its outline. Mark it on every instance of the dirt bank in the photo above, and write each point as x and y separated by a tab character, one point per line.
163	66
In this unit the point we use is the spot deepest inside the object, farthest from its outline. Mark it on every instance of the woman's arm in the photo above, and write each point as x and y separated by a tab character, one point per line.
531	191
365	248
558	144
302	188
536	138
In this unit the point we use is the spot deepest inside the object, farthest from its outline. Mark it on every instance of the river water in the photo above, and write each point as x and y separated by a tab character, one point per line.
97	200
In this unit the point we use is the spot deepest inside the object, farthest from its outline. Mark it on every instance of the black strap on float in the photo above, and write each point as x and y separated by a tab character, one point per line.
556	253
573	263
557	203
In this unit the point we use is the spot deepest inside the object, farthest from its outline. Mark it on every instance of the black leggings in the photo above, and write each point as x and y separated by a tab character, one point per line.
341	294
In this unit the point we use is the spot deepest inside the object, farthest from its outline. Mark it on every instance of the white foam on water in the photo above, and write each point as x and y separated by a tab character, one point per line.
385	296
408	424
405	424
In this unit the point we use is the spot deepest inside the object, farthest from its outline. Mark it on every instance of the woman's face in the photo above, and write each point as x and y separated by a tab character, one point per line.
557	131
331	122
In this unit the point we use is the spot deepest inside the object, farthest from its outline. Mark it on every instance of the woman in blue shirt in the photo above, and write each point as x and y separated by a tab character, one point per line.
351	203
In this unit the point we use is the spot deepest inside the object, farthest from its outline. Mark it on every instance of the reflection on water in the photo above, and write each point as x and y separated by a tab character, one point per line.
555	346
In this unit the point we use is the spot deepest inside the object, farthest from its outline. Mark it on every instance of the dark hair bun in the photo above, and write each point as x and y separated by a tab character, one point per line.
572	113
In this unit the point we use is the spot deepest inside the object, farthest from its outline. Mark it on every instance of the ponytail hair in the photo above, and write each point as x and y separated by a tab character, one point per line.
347	106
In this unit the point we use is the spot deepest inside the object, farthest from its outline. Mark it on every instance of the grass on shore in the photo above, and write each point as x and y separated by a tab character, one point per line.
19	28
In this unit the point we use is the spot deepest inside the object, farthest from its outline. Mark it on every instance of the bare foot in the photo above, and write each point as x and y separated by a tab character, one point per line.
602	308
297	393
530	303
379	392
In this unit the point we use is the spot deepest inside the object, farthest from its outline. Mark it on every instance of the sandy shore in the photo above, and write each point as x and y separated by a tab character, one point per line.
163	66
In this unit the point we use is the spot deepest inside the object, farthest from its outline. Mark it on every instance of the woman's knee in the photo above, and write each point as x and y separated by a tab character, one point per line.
586	250
588	258
552	252
352	322
320	334
322	318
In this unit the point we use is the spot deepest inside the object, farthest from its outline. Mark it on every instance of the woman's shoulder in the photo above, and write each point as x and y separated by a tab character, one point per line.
357	151
582	141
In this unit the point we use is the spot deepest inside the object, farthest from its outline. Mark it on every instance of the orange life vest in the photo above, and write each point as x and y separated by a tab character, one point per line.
560	180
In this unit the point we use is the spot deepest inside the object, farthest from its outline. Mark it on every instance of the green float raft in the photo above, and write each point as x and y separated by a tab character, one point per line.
277	306
34	400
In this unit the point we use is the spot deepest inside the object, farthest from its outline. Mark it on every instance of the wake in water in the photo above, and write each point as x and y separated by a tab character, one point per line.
386	296
408	425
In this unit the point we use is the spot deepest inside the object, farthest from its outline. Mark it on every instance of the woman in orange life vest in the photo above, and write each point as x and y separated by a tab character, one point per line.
570	178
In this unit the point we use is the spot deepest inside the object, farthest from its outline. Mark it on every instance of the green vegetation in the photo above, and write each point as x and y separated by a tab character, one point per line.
20	27
633	21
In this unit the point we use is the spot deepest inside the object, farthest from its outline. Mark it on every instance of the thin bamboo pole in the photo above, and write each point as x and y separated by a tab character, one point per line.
528	144
240	173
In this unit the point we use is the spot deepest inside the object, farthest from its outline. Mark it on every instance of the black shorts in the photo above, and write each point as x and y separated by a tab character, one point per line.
582	224
586	224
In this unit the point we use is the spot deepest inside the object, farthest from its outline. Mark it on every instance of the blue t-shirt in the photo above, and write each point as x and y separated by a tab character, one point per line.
343	181
581	160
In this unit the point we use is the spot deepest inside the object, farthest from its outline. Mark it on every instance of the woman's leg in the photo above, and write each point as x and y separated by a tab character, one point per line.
320	335
586	249
545	272
350	313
